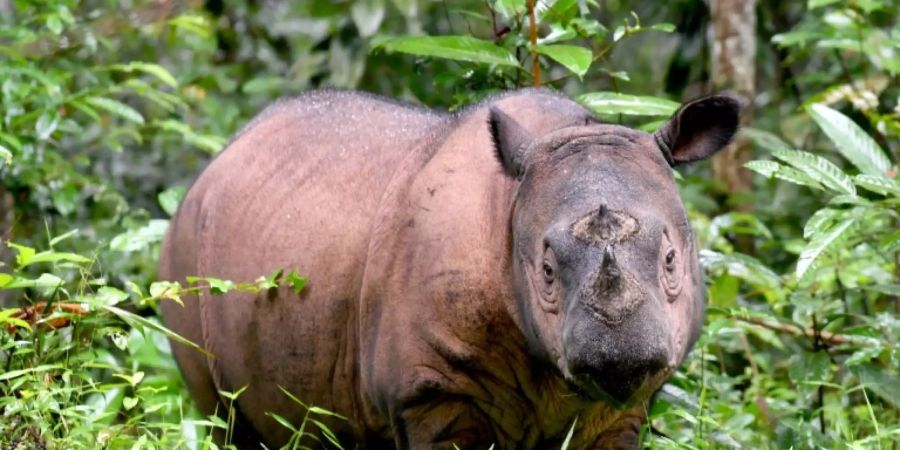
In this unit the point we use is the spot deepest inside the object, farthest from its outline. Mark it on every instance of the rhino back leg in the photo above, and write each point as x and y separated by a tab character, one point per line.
178	259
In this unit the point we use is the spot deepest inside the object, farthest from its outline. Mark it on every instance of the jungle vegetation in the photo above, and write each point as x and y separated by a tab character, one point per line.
108	109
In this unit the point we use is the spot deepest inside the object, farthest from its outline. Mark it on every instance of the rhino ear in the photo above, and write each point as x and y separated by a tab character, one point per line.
699	129
510	141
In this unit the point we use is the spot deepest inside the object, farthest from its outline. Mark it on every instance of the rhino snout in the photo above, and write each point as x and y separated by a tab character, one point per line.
622	363
618	377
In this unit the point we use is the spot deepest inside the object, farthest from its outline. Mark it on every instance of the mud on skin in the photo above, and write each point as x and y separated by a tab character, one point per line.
476	278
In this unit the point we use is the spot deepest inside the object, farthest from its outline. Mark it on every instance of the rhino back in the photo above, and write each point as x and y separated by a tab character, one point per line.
298	188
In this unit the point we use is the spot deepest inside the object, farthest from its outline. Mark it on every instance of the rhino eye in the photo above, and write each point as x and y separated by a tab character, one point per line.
670	260
671	277
548	286
549	275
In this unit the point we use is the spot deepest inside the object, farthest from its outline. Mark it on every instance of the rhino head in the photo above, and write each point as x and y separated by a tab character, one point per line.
605	276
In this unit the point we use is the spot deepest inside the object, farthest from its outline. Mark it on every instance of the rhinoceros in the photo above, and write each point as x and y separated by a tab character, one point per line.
477	278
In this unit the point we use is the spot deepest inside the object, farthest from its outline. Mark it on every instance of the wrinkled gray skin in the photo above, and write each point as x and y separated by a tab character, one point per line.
475	278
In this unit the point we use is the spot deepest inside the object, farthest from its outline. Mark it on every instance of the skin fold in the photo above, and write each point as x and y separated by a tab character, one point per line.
477	278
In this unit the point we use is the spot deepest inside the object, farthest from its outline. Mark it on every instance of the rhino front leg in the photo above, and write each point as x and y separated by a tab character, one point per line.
440	424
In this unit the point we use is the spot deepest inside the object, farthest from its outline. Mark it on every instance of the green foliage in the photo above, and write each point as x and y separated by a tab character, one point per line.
81	368
105	121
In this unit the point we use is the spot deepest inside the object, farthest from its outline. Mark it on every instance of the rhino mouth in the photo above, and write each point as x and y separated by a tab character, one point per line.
588	388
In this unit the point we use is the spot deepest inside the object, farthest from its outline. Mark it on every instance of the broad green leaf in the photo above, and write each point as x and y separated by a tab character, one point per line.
208	142
887	289
878	183
767	169
129	402
46	125
764	139
141	323
890	243
156	70
170	198
863	355
5	156
510	8
763	334
65	199
810	367
270	281
140	238
296	282
588	28
23	253
117	108
813	4
218	286
822	242
110	295
853	200
170	290
818	168
738	223
557	33
134	288
54	24
554	10
617	74
881	381
49	256
194	23
5	279
461	48
820	220
7	319
367	16
13	141
615	103
664	27
741	266
38	369
46	280
576	59
652	126
797	177
266	83
850	140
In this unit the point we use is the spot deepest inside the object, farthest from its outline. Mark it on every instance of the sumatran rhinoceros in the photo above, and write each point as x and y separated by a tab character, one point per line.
479	278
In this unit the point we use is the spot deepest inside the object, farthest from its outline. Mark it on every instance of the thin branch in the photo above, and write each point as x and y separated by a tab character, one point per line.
828	338
535	63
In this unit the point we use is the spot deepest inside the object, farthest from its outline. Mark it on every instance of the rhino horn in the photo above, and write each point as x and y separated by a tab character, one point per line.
609	275
609	267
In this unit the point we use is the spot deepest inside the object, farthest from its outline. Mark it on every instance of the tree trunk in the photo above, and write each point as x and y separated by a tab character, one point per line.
732	37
